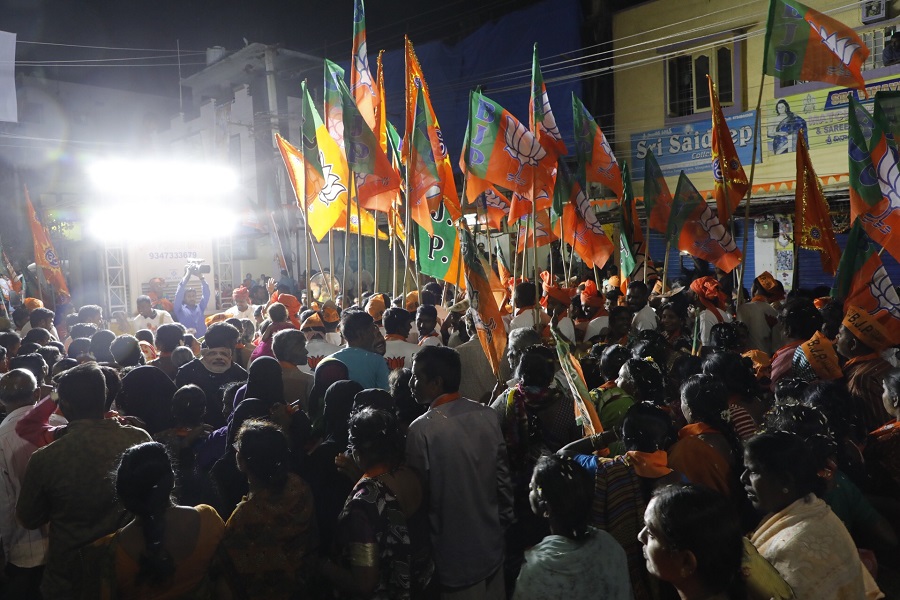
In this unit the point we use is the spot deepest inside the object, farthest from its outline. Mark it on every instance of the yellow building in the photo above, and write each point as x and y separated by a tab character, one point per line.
664	49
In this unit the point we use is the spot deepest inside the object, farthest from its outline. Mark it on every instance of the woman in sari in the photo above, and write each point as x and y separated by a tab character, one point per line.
798	534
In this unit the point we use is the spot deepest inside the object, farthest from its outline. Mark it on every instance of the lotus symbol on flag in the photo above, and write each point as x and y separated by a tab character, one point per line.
361	66
584	208
606	158
548	122
716	230
889	178
333	186
885	293
842	47
523	147
494	200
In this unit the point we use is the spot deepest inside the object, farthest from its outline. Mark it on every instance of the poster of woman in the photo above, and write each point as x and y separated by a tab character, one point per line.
784	134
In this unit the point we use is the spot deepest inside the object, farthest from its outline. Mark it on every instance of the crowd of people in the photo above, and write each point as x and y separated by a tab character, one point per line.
365	448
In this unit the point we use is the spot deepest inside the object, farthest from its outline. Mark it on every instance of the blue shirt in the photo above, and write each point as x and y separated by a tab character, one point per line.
192	318
368	369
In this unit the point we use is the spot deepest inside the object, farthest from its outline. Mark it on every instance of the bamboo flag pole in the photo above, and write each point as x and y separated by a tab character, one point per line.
332	273
395	240
756	125
646	249
359	250
665	274
306	234
375	287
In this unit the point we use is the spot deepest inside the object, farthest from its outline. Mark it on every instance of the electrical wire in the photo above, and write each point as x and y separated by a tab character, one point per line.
30	42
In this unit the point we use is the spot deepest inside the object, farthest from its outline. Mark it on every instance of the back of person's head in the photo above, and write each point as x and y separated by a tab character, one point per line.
39	315
147	394
801	318
651	345
374	398
37	336
51	355
100	345
221	335
427	310
63	364
289	345
724	336
188	406
83	330
788	459
612	359
355	323
521	339
33	362
408	410
264	381
235	322
278	312
263	452
790	389
181	356
537	367
17	386
590	367
144	484
440	361
126	351
647	380
113	384
704	399
525	294
395	319
697	520
82	392
647	428
79	347
144	335
375	437
565	490
732	369
89	313
169	336
10	340
29	348
20	316
429	298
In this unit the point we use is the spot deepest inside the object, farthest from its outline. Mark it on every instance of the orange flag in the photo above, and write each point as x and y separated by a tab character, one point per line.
44	255
542	231
415	81
480	285
730	180
813	223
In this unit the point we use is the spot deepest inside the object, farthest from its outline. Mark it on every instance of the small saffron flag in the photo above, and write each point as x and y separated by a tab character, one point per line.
699	231
45	256
730	181
361	83
812	222
596	161
804	45
580	227
534	233
480	286
657	197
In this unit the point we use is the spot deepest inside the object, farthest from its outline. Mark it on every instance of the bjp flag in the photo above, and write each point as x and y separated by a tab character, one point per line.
44	255
485	311
730	181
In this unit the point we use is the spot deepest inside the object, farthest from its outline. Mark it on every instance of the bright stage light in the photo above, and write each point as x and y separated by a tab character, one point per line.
161	179
188	222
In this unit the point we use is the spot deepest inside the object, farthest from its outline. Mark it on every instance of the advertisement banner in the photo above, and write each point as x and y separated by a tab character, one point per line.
687	147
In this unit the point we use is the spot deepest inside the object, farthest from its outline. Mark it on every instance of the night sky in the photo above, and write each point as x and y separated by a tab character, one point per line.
320	27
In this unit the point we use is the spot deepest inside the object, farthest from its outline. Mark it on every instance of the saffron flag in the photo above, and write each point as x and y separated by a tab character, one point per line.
804	45
45	256
539	233
596	161
376	180
580	227
730	181
541	121
317	170
863	282
415	81
361	83
631	238
15	280
500	150
874	175
812	223
699	231
439	251
657	197
495	206
502	266
368	223
482	303
585	413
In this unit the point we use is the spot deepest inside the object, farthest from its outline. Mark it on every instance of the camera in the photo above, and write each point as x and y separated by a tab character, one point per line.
195	265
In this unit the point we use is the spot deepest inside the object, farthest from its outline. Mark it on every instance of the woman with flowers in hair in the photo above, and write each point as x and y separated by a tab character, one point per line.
713	302
708	451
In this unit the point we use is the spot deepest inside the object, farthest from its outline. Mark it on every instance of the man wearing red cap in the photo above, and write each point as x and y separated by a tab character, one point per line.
242	308
861	339
593	304
556	301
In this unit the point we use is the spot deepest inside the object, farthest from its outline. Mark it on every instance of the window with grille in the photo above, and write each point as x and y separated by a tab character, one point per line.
688	91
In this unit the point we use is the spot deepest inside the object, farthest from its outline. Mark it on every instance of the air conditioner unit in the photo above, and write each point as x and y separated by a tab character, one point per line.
766	229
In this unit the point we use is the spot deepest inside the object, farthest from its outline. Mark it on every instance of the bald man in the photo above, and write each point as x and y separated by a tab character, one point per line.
25	550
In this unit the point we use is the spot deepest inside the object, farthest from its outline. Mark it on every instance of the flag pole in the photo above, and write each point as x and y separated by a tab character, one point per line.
306	234
646	249
375	287
331	270
359	249
762	81
394	241
346	250
665	274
